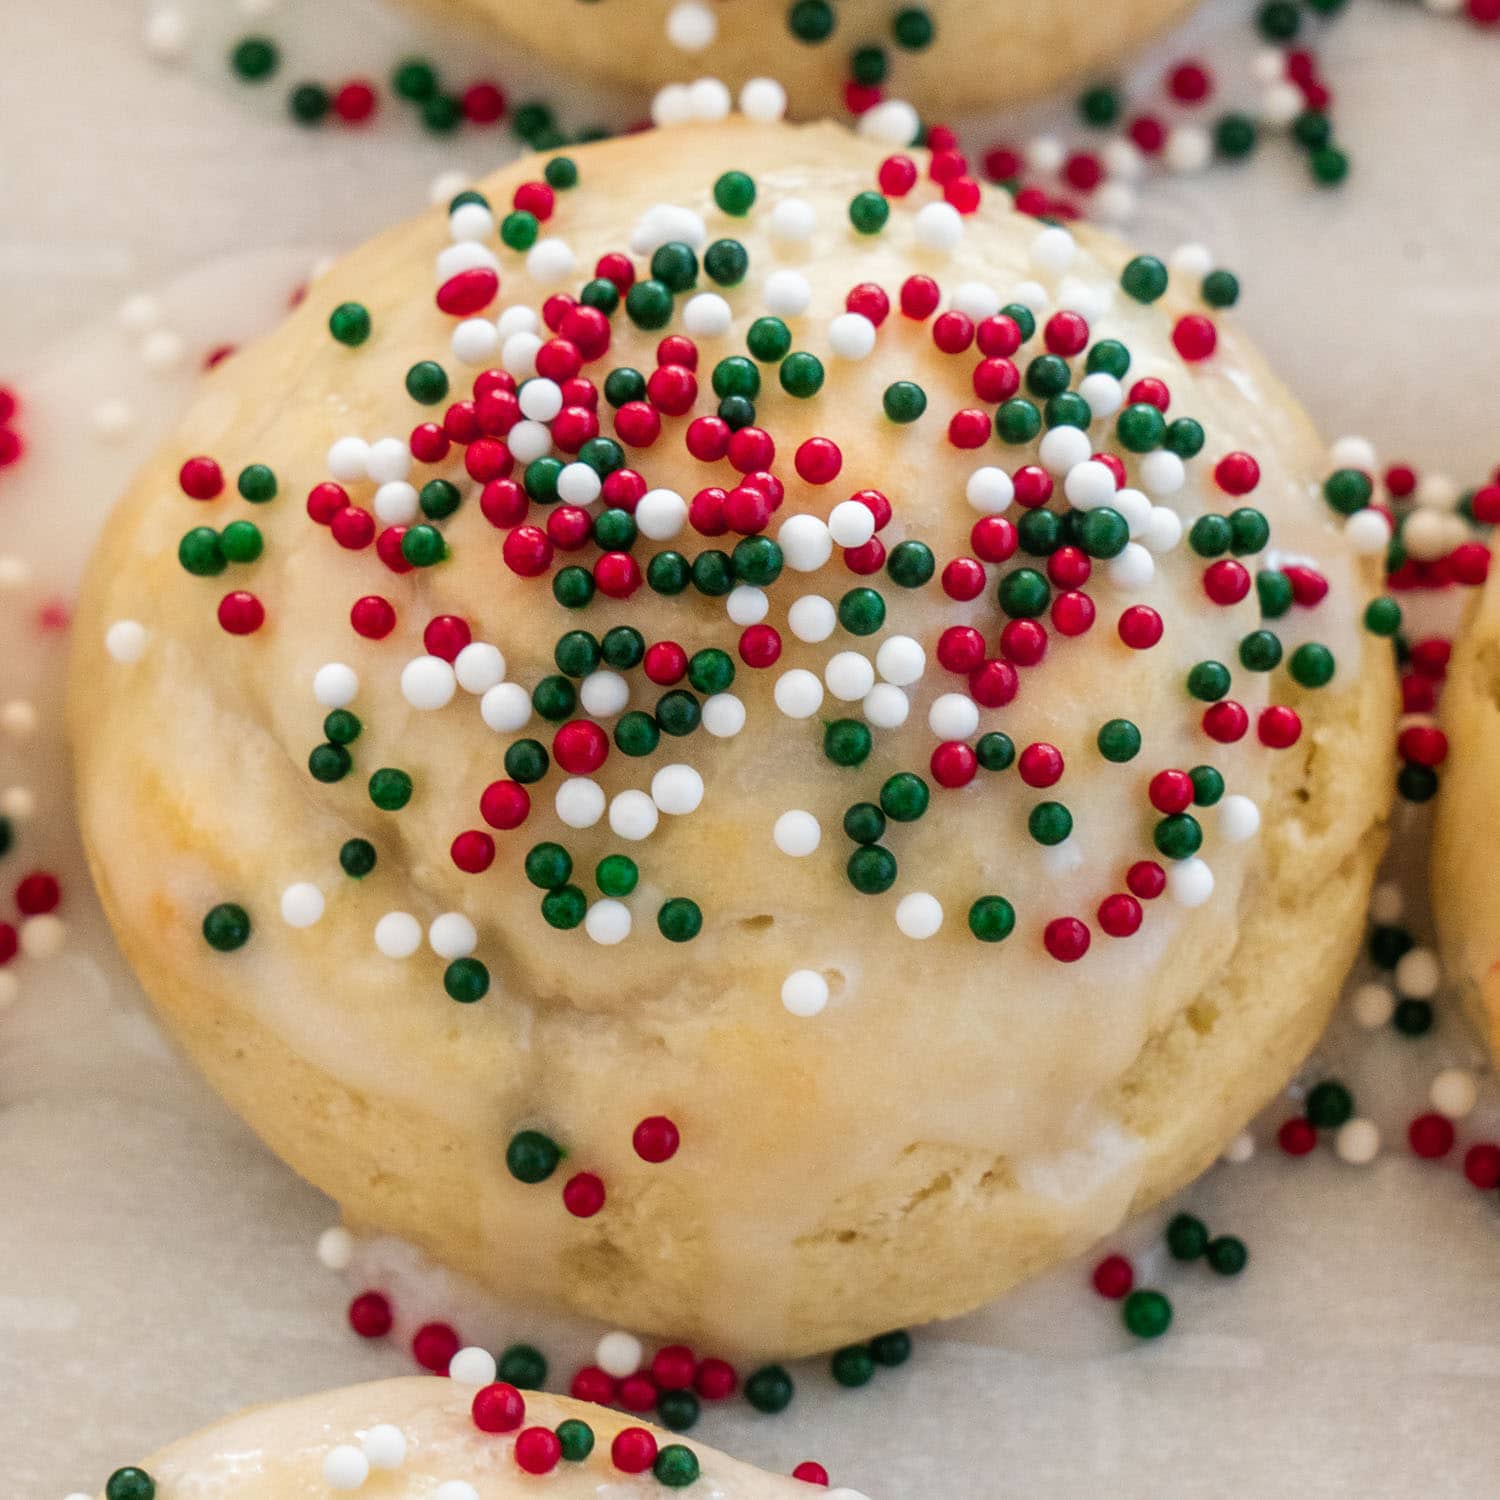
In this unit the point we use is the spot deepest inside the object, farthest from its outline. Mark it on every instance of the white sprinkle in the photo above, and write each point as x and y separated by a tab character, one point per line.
396	503
19	718
540	399
1104	394
804	992
938	227
43	936
1190	882
580	802
474	341
1063	449
1239	818
472	1367
1418	974
1163	529
976	299
579	484
849	675
919	914
1132	570
763	99
893	122
1191	260
747	605
301	904
604	694
677	790
336	1248
428	682
348	459
671	105
1357	1142
805	544
452	935
1136	509
386	459
384	1446
797	833
517	319
17	802
886	706
1353	452
1368	532
793	219
851	335
619	1354
112	418
1189	149
710	99
518	353
953	716
707	316
478	667
468	256
506	707
550	260
125	640
345	1467
989	490
692	26
335	685
138	314
161	351
1045	154
660	514
723	715
398	934
667	221
455	1489
632	815
1061	860
166	33
1241	1149
1162	473
798	694
786	293
528	441
1089	484
607	922
1052	251
471	221
901	660
851	523
811	618
1373	1005
1454	1093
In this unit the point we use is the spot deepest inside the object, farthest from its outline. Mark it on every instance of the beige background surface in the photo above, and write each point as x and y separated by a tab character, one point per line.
156	1266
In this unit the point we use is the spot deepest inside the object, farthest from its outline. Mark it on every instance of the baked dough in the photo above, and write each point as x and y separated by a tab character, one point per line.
983	54
1465	832
422	1438
962	1114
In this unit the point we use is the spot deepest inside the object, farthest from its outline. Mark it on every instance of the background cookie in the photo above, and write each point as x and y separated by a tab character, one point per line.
945	57
811	1080
442	1438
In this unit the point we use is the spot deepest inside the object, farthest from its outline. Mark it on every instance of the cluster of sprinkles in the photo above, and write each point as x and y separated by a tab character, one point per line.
672	1385
1073	515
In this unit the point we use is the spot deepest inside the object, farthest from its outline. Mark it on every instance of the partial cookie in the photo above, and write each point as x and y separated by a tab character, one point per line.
945	57
442	1440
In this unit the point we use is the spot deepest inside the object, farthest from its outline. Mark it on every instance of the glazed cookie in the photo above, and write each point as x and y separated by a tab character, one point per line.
945	57
444	1440
760	757
1468	817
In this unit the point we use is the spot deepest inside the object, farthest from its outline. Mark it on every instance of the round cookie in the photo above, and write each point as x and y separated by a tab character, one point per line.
440	1439
1468	815
729	969
945	57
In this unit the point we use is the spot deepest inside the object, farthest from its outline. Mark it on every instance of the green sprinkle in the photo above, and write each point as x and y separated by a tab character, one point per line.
904	797
1119	741
1147	1314
532	1157
992	919
872	869
616	875
466	980
847	742
564	908
576	1439
226	927
329	763
427	382
904	401
357	858
734	192
769	1389
679	920
868	211
1144	278
390	789
257	484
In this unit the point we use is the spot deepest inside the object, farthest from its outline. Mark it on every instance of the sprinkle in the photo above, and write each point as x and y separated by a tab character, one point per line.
804	993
